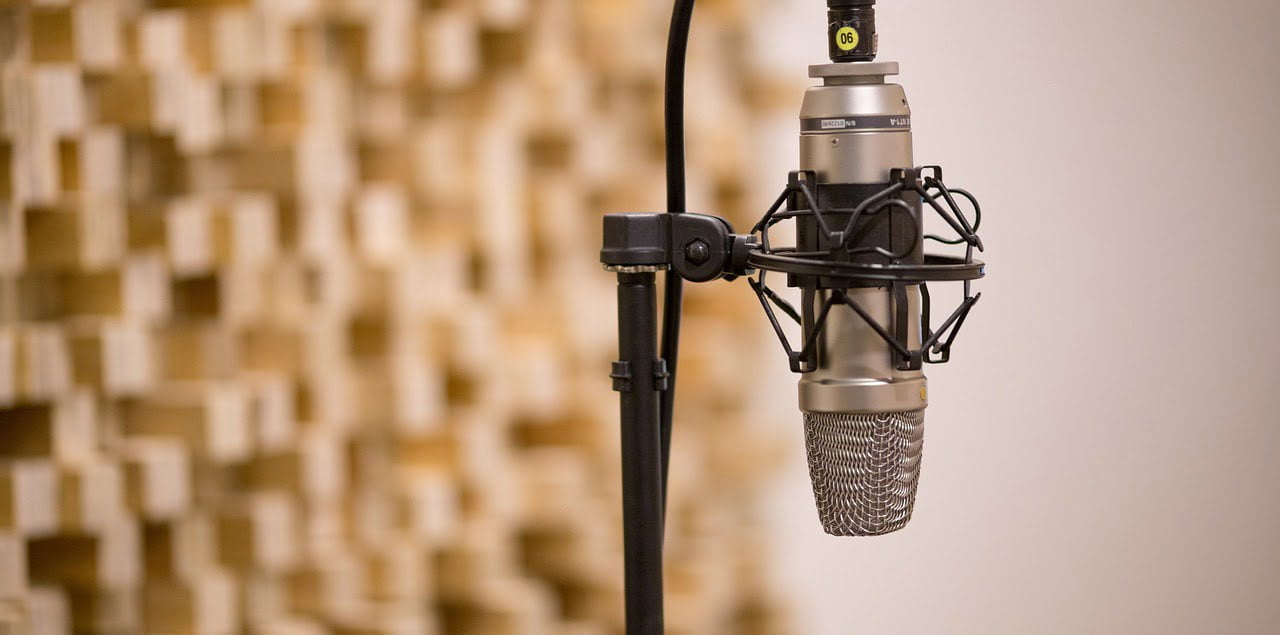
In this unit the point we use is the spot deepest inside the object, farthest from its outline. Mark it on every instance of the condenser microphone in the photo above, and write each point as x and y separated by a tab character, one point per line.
863	414
863	393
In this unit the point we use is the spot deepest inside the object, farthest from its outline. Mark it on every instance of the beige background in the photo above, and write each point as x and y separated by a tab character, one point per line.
1103	455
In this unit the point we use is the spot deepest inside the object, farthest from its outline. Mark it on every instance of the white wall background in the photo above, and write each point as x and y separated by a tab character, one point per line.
1103	454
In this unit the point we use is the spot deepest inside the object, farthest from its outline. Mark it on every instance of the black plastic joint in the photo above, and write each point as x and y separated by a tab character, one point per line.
740	254
636	240
621	376
909	177
913	362
701	246
698	247
661	376
799	362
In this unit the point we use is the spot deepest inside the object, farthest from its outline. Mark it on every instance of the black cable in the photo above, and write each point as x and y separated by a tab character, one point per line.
673	295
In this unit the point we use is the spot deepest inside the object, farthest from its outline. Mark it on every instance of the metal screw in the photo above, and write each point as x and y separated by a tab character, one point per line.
697	253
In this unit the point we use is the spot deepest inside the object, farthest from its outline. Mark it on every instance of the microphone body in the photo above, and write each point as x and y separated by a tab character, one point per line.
863	409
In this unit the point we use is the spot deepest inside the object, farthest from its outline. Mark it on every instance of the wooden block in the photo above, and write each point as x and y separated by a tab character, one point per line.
382	224
195	351
13	566
275	423
13	31
381	619
201	44
569	555
107	559
555	482
533	375
64	431
265	603
280	108
290	626
504	13
90	236
105	610
59	99
8	366
197	4
115	358
501	606
189	236
322	229
451	47
44	363
468	332
403	391
373	393
440	452
91	497
327	398
161	39
69	164
429	508
271	348
389	57
398	572
432	281
206	605
383	119
481	553
96	27
331	587
370	515
345	46
241	109
326	164
28	497
153	163
52	39
236	41
48	611
314	471
157	478
212	420
440	174
506	249
121	98
259	534
99	156
269	166
419	394
179	550
7	166
192	105
248	232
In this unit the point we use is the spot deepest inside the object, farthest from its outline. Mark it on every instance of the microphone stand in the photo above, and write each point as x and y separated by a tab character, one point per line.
640	377
636	248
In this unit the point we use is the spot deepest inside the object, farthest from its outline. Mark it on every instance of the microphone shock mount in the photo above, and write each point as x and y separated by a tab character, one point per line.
702	248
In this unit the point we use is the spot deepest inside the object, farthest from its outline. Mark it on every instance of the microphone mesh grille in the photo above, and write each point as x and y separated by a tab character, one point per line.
865	468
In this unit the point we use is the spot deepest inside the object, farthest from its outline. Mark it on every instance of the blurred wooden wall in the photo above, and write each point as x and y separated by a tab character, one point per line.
302	328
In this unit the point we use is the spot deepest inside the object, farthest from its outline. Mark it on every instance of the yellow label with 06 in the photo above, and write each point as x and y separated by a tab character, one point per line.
847	38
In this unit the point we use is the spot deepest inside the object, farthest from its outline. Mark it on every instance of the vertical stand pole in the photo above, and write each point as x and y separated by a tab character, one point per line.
639	377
